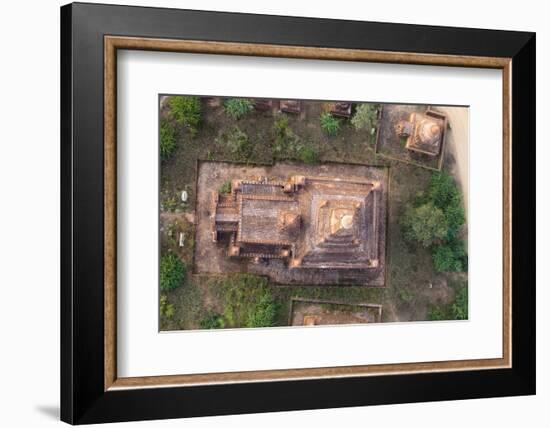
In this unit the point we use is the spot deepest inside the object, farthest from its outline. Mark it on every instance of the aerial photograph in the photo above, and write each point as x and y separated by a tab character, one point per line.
293	213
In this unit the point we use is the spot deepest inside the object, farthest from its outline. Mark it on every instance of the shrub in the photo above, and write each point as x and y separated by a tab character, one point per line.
329	124
437	313
442	189
237	108
172	272
365	117
225	187
307	155
239	143
264	313
167	139
166	309
286	141
281	126
406	295
212	320
459	309
450	257
186	111
288	145
425	224
247	301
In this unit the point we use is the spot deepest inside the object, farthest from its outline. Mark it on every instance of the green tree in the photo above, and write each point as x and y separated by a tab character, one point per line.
365	117
172	272
442	189
186	111
329	124
167	139
237	108
445	195
425	224
450	257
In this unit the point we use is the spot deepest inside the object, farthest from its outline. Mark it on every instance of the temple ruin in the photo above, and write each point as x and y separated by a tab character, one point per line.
424	133
326	226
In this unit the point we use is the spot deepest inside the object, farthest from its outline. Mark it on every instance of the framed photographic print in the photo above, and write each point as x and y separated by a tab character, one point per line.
265	213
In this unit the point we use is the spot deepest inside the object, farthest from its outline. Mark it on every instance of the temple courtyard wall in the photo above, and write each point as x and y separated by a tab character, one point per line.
211	257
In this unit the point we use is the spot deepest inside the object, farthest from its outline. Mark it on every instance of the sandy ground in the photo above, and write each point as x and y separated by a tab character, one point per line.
458	145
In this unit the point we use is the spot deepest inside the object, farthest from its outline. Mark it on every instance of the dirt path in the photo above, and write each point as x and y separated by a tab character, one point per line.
458	144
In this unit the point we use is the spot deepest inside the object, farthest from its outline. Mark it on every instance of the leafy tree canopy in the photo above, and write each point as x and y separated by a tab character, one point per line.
450	257
425	224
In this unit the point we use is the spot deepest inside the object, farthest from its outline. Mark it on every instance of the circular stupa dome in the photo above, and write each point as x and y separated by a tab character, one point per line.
346	221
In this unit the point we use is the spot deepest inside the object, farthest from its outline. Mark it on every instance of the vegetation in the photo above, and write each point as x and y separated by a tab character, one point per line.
264	314
167	139
435	219
459	309
172	272
237	108
290	146
445	195
166	309
329	124
212	320
365	117
307	155
425	224
225	187
247	301
239	143
186	111
450	257
406	295
456	310
286	141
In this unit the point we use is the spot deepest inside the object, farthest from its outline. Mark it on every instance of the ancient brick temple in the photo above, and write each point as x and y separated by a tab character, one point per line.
425	133
322	224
